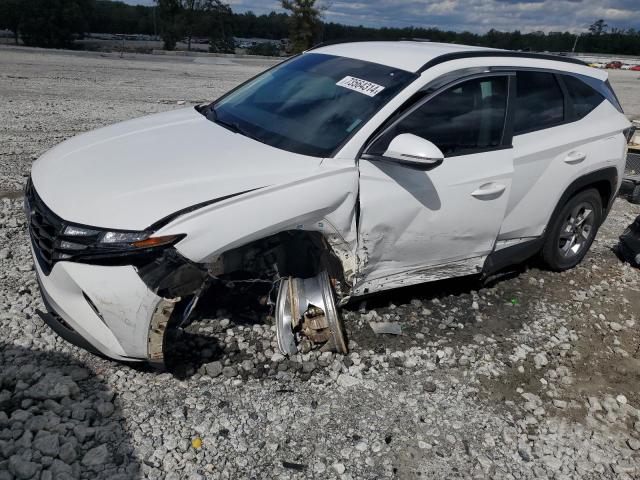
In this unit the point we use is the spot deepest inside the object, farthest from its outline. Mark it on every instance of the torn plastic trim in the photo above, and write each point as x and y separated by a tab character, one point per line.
157	329
181	283
345	269
171	275
174	278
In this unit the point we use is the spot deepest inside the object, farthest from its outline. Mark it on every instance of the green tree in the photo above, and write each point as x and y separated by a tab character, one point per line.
220	27
598	27
118	17
192	16
305	23
189	18
11	16
53	23
169	15
267	49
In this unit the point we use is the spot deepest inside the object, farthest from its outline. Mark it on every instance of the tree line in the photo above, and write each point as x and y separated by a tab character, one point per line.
56	23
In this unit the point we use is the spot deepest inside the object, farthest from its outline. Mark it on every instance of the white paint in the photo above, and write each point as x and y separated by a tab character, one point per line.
415	276
413	219
130	175
124	301
411	148
412	56
405	55
541	173
414	226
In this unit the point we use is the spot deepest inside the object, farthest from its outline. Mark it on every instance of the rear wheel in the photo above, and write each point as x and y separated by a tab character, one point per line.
572	231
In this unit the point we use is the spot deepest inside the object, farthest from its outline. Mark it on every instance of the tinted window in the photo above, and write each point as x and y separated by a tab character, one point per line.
583	97
539	102
465	118
310	104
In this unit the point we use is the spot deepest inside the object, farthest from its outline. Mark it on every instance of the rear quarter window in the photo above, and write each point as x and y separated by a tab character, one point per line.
583	98
539	102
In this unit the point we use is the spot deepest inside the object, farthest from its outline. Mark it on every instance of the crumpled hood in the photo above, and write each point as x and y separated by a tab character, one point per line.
132	174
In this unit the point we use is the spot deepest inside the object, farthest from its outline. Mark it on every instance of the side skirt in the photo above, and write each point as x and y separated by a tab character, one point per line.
511	255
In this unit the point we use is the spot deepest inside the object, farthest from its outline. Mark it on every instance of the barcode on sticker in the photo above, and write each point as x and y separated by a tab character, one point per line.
358	85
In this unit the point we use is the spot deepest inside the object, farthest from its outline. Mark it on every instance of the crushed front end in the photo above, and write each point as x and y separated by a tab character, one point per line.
112	293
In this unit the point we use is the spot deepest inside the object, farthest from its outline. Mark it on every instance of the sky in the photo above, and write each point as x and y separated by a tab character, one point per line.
474	15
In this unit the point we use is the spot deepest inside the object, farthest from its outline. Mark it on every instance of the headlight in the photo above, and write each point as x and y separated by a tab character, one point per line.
110	239
123	237
53	239
85	243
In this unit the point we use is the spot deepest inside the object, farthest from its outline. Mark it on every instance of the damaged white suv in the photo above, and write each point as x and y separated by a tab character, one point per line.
347	170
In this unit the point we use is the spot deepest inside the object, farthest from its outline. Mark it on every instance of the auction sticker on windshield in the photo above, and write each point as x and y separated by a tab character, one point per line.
358	85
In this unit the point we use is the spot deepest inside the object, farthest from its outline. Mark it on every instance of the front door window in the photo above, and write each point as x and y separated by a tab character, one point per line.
468	117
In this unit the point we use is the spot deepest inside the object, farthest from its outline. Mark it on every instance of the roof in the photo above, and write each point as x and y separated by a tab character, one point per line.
405	55
416	56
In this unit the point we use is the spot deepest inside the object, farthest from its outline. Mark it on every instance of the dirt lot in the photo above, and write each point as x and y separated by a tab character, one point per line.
534	375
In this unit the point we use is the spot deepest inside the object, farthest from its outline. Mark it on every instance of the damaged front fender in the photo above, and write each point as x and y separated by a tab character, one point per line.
296	230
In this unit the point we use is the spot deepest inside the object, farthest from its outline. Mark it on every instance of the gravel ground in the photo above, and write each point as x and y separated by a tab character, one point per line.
533	375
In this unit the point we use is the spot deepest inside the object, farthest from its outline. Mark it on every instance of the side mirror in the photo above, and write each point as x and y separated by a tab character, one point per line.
414	151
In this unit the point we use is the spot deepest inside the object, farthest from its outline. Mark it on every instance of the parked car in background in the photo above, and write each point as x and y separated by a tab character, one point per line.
614	65
635	68
626	66
596	65
344	171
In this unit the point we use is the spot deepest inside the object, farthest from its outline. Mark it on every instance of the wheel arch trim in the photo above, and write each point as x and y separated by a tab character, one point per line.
604	180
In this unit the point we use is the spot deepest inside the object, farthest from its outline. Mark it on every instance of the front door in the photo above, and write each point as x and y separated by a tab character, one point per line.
418	225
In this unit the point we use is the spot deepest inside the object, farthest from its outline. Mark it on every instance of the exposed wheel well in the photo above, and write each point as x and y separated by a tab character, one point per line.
295	253
291	253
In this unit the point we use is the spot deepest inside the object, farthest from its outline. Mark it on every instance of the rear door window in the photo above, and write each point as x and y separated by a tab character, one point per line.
583	98
539	102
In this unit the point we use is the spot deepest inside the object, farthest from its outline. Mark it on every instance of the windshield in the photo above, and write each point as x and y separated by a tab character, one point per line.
311	104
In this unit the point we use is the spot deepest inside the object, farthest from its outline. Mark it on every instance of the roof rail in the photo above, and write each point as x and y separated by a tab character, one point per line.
462	54
496	53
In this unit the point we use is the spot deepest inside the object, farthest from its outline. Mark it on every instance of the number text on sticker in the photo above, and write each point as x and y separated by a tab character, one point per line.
357	84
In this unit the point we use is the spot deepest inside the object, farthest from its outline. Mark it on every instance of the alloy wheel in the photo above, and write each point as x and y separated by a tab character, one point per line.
576	230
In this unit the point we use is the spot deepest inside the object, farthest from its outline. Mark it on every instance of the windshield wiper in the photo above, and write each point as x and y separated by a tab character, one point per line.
234	127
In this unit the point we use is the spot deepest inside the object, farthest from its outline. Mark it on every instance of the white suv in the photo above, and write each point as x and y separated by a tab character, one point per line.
347	170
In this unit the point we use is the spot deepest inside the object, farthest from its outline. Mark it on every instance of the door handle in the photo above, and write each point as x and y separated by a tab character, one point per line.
575	157
489	190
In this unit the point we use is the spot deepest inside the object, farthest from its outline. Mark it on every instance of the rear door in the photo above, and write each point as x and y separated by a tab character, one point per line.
563	130
418	225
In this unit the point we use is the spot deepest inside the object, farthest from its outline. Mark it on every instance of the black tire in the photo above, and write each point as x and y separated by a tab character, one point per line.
559	251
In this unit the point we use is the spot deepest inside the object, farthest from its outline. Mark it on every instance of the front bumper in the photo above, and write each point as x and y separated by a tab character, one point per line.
103	309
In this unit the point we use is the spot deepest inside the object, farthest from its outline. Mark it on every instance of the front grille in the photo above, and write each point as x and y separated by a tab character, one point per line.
47	233
44	228
633	164
55	239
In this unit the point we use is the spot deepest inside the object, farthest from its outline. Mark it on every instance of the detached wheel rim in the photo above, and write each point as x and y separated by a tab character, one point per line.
576	231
